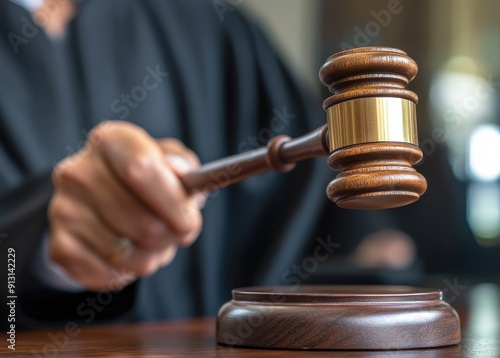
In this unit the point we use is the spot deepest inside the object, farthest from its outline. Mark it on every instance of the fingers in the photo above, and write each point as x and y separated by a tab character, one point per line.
122	184
67	249
122	212
386	248
139	163
83	223
182	160
175	148
79	261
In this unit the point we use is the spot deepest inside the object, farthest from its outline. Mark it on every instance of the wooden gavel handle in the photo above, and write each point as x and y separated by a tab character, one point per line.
280	154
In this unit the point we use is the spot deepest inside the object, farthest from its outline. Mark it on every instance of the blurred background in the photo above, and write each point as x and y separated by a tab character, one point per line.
456	43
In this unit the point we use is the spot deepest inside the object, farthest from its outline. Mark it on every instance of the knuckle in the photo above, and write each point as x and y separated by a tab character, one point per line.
67	173
174	142
177	146
152	233
60	211
61	172
168	260
168	256
189	238
197	224
137	166
112	128
193	223
96	135
56	210
191	220
60	254
105	130
148	267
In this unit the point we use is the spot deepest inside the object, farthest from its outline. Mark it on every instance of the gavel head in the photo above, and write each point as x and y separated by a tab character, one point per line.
372	128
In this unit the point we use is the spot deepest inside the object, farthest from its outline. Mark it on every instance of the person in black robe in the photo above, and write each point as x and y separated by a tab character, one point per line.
215	83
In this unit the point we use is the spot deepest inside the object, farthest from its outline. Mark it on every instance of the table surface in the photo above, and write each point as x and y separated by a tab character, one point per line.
479	313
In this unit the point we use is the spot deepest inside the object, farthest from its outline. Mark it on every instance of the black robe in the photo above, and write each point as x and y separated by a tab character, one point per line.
214	82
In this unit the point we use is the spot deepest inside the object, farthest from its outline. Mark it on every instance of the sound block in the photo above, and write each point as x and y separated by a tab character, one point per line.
339	317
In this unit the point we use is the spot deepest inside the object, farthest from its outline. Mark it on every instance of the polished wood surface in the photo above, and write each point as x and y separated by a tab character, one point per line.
368	72
280	155
375	171
479	310
339	317
376	176
379	177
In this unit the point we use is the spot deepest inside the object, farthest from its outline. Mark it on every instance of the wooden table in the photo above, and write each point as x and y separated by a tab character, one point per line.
479	312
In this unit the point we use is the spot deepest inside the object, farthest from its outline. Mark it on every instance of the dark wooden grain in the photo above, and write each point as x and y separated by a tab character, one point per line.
339	317
376	176
196	338
280	155
368	72
372	175
353	74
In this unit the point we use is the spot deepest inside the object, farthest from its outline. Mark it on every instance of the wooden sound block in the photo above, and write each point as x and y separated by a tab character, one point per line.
339	317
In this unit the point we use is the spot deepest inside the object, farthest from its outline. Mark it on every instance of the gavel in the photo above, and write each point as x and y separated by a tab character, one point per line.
370	136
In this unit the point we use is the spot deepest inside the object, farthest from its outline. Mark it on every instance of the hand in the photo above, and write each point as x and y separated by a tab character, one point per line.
388	248
122	184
